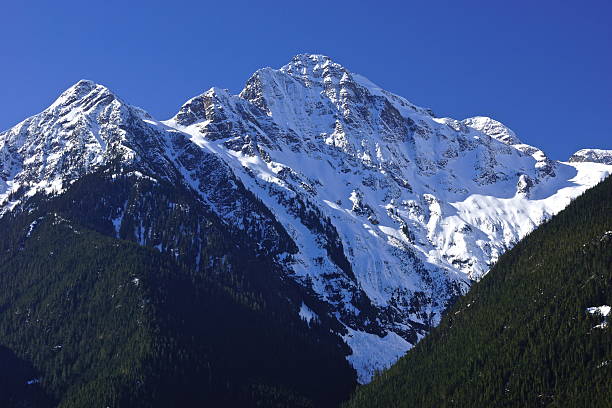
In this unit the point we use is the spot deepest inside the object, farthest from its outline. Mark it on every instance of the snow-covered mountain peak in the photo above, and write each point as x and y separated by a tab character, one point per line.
313	67
493	128
217	114
84	128
310	59
592	155
83	93
83	105
192	111
331	98
408	207
79	89
305	76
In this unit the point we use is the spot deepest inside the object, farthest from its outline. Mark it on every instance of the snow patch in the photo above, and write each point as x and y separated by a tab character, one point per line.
603	311
32	226
308	314
600	310
372	352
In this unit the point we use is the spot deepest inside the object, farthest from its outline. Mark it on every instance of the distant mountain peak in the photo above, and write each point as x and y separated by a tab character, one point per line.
592	155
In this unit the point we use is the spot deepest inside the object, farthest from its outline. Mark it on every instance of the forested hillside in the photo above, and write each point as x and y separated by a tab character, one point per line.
87	319
523	335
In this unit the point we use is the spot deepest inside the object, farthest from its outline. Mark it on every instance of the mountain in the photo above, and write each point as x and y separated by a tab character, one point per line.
89	319
378	213
592	155
533	332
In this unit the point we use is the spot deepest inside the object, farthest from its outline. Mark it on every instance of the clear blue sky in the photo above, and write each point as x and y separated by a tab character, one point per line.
542	67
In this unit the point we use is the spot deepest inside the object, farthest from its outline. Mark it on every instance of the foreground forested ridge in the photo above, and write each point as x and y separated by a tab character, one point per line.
89	319
523	336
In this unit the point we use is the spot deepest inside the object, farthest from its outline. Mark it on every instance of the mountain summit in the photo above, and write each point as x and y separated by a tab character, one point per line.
382	213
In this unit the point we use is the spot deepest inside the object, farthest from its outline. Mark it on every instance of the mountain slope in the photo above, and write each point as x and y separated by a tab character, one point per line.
374	207
418	206
533	332
106	320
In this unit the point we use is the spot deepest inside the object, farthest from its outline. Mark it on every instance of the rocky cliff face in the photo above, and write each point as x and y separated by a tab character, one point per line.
378	209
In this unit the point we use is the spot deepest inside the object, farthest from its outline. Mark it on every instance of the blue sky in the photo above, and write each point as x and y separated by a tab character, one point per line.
544	68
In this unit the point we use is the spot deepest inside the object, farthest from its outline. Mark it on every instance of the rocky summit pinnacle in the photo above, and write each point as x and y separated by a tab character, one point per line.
377	209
